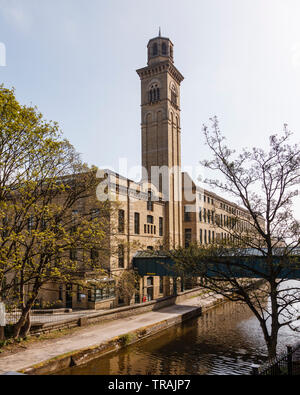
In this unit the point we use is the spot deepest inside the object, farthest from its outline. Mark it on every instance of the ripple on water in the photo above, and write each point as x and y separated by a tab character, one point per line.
227	341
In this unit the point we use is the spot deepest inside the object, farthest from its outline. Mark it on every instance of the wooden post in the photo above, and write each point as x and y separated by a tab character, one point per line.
2	335
290	360
255	370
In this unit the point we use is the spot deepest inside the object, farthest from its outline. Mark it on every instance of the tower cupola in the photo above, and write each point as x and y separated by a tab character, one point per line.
160	49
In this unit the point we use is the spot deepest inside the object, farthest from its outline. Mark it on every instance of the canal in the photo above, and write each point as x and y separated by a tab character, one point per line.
226	340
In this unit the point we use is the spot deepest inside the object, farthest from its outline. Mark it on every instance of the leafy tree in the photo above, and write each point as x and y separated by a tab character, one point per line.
46	235
264	184
127	285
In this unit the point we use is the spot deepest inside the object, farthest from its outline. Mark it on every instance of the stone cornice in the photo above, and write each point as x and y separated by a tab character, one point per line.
155	69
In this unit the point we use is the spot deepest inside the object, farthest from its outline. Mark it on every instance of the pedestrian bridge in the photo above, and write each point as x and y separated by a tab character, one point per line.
250	264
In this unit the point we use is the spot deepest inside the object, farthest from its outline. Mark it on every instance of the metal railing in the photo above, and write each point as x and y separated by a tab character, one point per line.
286	364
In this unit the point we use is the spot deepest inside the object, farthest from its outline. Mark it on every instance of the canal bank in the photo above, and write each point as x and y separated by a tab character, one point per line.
224	340
86	344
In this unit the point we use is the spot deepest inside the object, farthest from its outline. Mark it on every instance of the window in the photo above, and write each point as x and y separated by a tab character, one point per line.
78	294
200	214
173	94
121	255
155	49
95	213
106	292
154	93
201	236
187	237
164	49
74	215
43	224
60	293
149	281
150	219
137	223
208	216
73	229
161	285
30	223
5	227
161	226
73	254
137	299
150	206
121	225
174	98
187	214
149	202
91	295
94	254
97	295
205	236
74	221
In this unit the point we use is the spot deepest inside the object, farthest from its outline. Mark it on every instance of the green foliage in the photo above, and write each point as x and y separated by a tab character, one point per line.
128	284
42	184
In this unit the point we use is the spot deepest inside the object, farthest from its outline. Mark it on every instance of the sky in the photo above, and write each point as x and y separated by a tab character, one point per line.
76	60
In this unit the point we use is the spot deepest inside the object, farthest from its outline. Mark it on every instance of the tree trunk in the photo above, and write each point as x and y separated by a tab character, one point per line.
272	344
23	325
18	326
272	348
26	327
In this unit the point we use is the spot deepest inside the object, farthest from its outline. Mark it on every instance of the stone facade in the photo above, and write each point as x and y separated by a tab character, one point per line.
164	210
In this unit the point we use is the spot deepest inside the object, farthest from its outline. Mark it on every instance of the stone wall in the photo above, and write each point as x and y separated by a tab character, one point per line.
81	357
114	314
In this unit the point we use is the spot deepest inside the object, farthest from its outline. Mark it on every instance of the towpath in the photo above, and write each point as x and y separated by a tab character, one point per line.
84	338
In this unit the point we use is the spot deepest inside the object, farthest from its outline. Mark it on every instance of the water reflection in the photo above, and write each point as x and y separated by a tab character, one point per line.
225	340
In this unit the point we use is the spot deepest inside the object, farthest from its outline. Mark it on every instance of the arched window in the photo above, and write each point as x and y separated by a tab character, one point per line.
154	49
154	93
164	49
150	279
173	95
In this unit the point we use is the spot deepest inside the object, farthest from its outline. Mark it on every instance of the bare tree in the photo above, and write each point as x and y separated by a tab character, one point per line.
263	238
